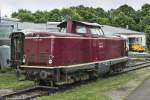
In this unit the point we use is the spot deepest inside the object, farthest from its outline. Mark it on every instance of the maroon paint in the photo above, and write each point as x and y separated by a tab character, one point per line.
68	51
70	48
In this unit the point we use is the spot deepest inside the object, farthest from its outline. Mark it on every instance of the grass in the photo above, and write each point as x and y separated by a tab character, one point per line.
8	80
7	70
97	89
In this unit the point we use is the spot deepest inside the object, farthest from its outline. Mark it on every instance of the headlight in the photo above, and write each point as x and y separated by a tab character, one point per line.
24	59
50	61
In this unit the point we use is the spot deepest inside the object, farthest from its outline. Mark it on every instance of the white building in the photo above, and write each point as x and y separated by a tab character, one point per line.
130	35
52	26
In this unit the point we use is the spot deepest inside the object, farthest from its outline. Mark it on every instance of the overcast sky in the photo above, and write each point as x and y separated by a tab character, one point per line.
9	6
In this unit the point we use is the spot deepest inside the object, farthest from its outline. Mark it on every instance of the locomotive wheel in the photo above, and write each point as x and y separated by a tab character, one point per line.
43	75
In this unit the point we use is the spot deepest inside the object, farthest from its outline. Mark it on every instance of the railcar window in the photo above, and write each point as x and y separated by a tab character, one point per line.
100	30
17	44
63	30
96	31
81	29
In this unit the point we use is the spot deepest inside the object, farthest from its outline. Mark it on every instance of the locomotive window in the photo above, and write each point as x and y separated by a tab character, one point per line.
17	44
96	31
101	31
63	30
81	29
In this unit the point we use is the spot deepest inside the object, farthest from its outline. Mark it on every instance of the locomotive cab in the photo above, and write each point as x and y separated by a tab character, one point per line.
84	29
17	48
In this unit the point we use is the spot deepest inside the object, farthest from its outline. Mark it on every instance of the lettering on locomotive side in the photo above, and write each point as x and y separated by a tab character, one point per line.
101	45
35	39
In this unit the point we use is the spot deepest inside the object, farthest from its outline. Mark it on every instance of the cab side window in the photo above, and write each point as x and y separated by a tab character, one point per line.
80	29
63	30
96	31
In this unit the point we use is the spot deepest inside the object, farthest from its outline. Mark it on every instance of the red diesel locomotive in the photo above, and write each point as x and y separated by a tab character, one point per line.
79	51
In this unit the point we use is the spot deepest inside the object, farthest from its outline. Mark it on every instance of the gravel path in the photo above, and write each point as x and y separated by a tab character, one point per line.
122	91
5	91
142	92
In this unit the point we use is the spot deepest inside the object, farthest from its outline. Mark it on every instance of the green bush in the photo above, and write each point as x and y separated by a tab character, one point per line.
5	70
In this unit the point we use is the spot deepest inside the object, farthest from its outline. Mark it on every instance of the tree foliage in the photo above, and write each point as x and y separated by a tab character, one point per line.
23	15
122	20
147	30
122	16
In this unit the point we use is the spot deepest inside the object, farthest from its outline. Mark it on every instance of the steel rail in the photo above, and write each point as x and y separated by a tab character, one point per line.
29	93
133	67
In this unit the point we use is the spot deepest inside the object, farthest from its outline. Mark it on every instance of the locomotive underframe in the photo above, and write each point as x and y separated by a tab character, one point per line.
69	74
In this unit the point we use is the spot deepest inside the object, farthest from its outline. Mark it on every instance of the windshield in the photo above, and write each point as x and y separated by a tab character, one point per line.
81	29
135	40
63	30
96	31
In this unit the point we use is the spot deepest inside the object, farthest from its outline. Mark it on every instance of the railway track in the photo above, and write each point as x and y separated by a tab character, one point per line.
37	91
134	67
29	93
137	66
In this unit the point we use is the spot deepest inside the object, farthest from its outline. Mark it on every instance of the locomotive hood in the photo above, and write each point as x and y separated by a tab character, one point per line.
47	34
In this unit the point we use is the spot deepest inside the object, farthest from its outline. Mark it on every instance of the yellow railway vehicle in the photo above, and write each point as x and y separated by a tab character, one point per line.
137	47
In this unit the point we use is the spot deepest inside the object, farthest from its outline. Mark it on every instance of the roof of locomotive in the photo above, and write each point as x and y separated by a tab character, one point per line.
81	23
47	34
13	34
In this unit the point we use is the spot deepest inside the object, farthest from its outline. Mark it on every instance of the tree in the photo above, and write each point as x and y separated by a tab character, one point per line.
88	13
145	22
54	15
23	15
147	31
103	21
100	12
124	12
127	10
14	14
145	11
40	16
122	16
72	13
122	20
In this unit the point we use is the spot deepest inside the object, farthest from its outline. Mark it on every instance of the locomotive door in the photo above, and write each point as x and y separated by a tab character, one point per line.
38	55
31	50
37	50
17	48
94	50
98	49
101	49
43	51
